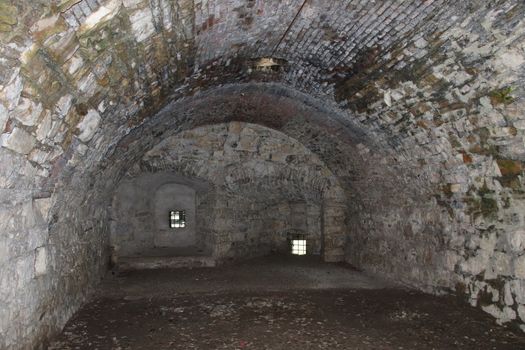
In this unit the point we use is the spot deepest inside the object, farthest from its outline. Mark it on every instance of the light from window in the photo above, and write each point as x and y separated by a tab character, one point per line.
299	246
177	219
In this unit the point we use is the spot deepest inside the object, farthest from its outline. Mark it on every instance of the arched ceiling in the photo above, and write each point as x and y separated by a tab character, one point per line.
417	106
79	75
422	98
430	88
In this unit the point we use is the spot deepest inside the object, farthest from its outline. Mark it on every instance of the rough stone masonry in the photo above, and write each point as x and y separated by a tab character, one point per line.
415	107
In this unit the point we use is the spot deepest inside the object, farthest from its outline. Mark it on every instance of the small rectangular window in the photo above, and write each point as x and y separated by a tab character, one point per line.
177	218
299	246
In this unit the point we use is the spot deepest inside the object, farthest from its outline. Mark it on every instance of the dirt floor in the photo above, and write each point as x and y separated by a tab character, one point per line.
275	303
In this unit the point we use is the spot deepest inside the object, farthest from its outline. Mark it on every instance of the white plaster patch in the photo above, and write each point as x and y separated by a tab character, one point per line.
101	107
455	188
518	289
476	264
24	270
167	16
88	126
4	250
507	295
500	265
39	156
25	57
451	259
502	316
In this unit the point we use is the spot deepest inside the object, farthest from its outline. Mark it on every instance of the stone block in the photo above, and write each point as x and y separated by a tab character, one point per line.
24	270
507	294
89	125
517	288
40	261
519	267
27	112
18	140
42	207
499	265
64	105
44	127
502	315
142	24
102	14
516	241
13	91
3	117
521	312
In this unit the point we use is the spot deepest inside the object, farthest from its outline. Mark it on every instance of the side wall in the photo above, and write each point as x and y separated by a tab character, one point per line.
140	213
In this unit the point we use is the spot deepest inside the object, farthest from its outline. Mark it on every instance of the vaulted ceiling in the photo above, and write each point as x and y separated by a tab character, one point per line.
417	106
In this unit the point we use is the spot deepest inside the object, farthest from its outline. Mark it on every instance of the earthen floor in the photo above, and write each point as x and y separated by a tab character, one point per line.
275	303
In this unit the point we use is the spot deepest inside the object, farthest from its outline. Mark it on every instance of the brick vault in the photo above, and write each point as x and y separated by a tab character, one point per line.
402	121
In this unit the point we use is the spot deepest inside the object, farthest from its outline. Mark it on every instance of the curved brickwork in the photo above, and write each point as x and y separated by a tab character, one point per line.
415	106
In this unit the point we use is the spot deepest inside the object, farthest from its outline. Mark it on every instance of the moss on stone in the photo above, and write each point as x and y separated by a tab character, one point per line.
502	96
482	202
489	207
509	167
510	171
8	14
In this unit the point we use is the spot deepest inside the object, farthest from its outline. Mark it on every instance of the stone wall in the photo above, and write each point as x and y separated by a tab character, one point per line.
140	213
415	106
266	187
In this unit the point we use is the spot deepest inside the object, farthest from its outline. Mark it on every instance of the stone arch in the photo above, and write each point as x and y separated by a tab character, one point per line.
315	183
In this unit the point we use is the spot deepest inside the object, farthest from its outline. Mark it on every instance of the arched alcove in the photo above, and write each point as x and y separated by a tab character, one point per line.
181	199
